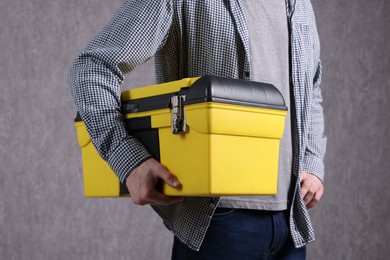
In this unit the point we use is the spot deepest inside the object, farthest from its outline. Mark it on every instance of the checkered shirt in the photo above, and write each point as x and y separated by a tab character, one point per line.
194	38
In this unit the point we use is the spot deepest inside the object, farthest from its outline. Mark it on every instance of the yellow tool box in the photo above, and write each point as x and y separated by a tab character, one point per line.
219	136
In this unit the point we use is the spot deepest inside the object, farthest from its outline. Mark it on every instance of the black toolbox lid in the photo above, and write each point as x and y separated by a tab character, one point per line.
215	89
234	91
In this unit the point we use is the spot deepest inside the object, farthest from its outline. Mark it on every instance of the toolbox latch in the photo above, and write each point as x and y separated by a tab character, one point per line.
178	122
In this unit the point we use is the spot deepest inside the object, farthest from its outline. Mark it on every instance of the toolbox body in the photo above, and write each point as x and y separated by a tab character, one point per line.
219	136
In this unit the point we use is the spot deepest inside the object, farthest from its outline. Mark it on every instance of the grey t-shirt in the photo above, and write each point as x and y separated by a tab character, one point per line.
269	51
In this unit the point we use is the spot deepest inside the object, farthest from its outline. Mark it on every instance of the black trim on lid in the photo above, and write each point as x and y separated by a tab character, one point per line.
147	104
78	117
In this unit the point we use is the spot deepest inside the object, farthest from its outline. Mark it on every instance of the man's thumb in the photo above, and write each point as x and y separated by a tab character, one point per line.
170	179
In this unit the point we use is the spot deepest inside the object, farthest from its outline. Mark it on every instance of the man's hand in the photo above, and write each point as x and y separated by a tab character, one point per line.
312	189
142	182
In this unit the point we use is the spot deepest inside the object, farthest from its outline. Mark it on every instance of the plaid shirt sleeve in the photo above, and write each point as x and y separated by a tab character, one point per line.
315	140
313	160
96	75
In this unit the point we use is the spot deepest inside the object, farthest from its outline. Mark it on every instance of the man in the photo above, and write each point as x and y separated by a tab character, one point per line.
269	41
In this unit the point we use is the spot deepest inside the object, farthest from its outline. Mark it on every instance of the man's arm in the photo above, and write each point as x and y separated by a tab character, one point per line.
316	141
312	175
133	35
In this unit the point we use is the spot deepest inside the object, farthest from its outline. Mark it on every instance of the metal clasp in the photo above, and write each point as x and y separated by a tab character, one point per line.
178	119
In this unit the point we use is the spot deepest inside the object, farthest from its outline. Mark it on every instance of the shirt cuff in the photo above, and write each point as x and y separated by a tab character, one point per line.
314	165
126	157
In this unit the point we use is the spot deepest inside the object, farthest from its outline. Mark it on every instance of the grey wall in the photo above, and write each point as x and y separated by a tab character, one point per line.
43	214
352	222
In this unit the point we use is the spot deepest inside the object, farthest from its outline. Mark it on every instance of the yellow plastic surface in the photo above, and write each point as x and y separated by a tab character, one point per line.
228	149
222	156
99	179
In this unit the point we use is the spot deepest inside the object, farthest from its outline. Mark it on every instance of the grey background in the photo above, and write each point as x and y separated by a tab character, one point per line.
43	214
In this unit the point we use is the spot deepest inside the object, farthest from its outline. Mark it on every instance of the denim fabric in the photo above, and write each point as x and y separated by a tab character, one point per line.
244	234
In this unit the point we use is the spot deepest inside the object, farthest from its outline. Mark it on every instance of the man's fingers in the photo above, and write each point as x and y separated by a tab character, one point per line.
316	199
168	178
304	190
160	172
143	181
309	196
154	197
157	198
311	189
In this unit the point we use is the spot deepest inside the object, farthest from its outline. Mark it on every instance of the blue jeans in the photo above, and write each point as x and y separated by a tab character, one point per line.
244	234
